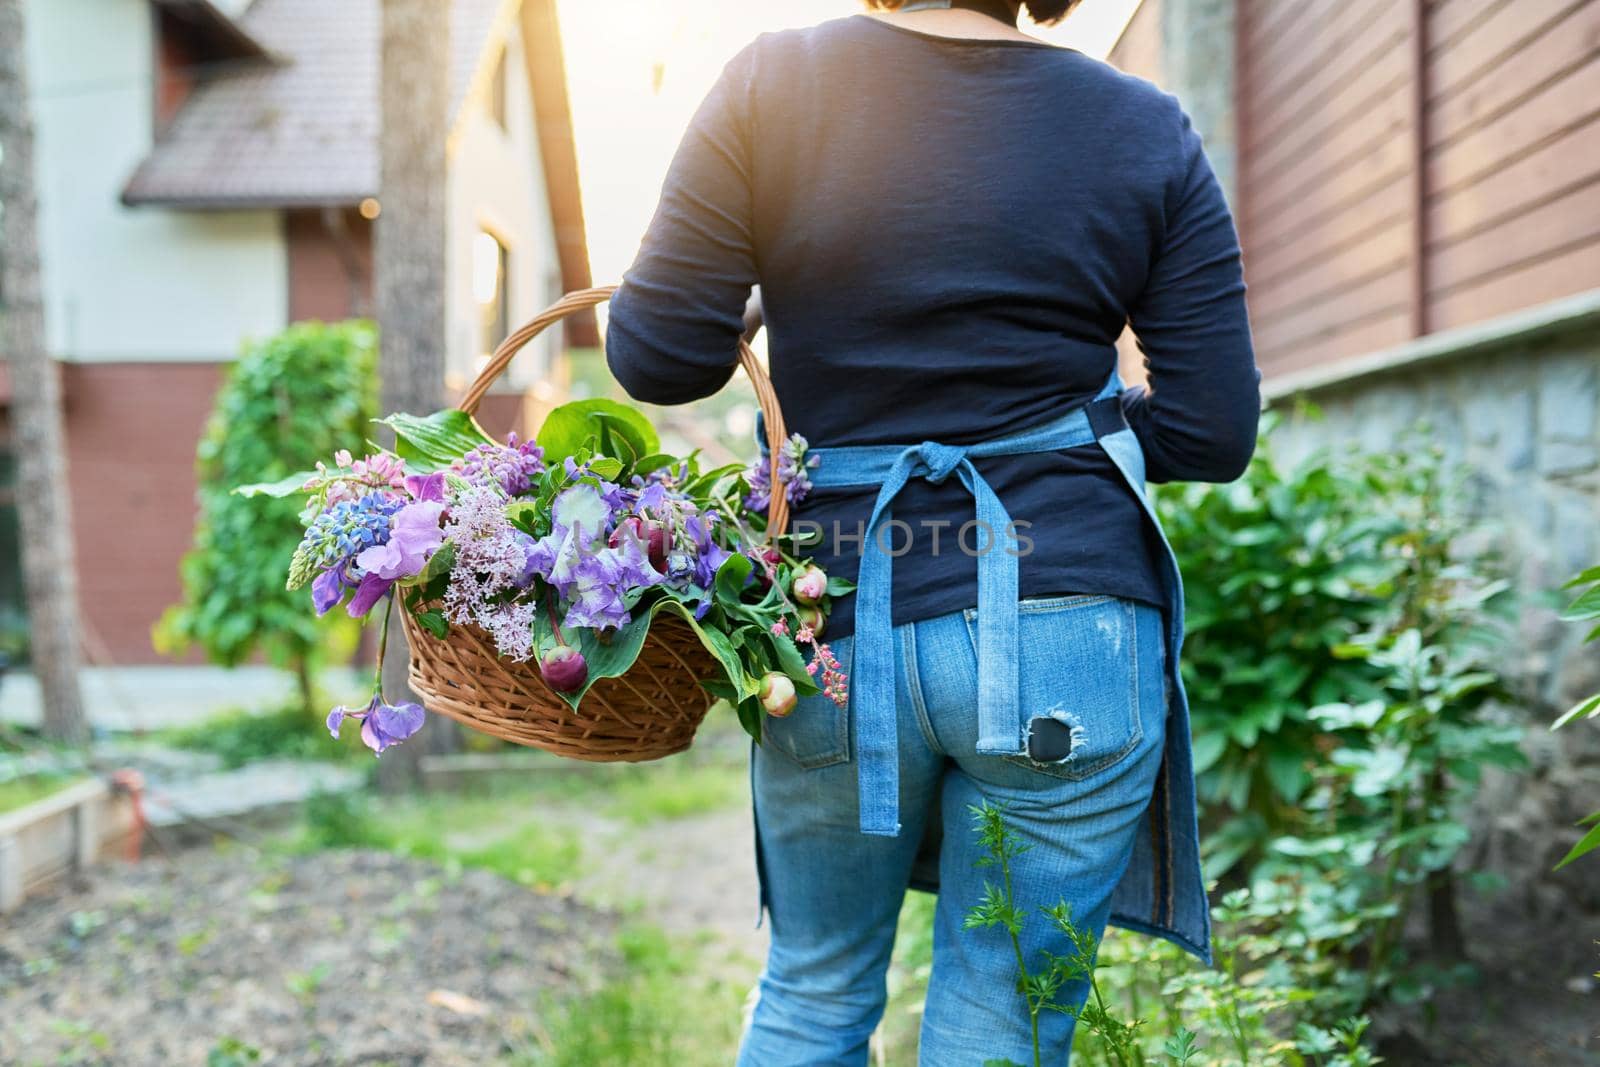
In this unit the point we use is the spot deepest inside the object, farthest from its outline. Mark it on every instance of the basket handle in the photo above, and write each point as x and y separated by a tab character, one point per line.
579	299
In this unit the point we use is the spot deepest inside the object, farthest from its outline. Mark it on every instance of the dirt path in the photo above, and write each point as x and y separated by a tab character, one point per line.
694	876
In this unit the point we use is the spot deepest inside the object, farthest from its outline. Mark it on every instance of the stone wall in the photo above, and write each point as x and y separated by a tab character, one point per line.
1523	418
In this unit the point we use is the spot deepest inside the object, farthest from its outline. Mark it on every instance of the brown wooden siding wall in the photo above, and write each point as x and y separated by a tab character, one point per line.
1408	166
133	520
1326	176
1512	155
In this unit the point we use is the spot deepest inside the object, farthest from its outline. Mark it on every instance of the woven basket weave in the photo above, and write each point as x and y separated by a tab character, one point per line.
651	711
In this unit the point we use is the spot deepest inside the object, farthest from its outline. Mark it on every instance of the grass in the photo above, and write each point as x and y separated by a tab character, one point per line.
659	1008
20	792
529	829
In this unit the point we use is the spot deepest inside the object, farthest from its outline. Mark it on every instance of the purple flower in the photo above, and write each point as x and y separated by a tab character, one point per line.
327	590
793	465
368	593
414	536
382	724
592	576
652	497
426	486
511	466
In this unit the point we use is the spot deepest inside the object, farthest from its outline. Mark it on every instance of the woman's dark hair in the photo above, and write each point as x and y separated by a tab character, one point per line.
1044	12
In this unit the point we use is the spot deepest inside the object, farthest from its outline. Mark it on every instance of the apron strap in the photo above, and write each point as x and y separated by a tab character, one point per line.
872	696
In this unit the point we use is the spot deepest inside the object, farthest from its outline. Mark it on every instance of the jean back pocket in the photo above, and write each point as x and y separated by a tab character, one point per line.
1081	660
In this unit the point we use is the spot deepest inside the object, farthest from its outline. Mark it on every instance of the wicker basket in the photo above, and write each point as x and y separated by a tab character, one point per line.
651	711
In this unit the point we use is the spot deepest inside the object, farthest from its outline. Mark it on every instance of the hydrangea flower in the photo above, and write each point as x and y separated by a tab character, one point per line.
340	533
511	466
793	465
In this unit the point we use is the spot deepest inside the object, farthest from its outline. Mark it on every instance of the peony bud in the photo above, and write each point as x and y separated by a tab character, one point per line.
810	585
764	558
656	545
813	617
632	524
563	669
777	693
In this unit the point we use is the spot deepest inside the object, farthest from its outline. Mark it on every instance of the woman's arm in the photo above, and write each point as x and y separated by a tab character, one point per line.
1199	417
672	334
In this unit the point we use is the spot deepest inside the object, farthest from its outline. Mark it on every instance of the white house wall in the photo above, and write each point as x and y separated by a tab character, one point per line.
497	183
132	284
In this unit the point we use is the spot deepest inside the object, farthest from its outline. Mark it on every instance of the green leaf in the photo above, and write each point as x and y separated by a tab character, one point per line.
654	462
606	466
751	715
718	645
434	622
438	564
1588	576
1586	845
840	586
731	576
283	487
1586	606
567	428
436	441
1584	708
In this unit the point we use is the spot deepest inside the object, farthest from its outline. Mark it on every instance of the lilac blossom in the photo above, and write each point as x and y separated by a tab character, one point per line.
491	559
793	465
511	466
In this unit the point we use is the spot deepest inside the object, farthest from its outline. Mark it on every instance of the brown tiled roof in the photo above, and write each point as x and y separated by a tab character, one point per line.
301	128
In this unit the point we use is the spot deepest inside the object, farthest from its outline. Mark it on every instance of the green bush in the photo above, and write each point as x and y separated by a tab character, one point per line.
289	401
1586	608
1343	667
1281	568
239	737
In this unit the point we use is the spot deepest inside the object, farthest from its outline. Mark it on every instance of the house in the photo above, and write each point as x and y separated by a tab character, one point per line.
208	172
1417	189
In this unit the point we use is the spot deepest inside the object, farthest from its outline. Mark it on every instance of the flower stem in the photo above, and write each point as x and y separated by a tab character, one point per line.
383	643
550	610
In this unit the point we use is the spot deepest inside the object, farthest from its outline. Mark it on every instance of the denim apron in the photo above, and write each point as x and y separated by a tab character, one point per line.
1162	892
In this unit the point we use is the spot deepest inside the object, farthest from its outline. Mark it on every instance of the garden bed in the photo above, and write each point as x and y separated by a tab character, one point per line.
345	956
55	826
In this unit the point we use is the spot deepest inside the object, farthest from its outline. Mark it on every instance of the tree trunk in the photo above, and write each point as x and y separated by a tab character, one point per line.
410	278
44	511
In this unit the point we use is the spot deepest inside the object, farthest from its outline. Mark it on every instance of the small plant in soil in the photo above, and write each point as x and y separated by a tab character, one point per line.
1042	987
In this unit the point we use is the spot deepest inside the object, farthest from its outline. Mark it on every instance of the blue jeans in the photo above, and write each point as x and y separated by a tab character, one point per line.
1093	664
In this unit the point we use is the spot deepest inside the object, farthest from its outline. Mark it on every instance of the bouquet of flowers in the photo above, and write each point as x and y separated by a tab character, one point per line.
562	550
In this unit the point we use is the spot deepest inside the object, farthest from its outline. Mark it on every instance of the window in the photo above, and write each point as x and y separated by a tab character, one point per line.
497	91
491	265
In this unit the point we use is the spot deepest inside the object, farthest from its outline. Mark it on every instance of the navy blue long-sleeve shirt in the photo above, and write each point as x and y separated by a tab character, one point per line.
949	235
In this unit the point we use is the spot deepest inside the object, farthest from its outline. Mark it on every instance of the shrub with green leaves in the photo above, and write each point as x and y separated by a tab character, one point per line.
1586	608
290	401
1280	569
